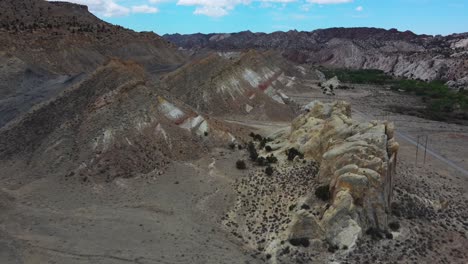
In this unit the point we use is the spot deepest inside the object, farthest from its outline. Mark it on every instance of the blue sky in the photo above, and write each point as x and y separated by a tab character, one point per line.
206	16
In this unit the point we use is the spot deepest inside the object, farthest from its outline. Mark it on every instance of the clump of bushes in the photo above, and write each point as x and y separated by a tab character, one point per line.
441	101
268	148
240	164
332	248
269	171
303	241
232	145
261	161
377	233
253	154
256	137
394	226
293	152
323	192
271	159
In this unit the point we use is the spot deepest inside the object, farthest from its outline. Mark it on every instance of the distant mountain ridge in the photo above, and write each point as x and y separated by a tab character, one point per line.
400	53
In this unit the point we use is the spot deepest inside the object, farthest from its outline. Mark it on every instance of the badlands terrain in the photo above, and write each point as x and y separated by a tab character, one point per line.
126	147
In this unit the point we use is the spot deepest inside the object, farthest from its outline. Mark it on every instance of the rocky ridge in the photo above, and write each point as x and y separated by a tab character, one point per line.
113	124
243	84
402	54
49	46
356	161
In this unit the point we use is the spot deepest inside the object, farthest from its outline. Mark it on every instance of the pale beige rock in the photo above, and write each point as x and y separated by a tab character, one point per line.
357	161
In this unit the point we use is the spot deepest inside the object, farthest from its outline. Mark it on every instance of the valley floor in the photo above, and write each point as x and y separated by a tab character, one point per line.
176	217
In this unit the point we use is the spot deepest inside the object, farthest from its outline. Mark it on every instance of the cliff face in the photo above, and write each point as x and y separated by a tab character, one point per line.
400	53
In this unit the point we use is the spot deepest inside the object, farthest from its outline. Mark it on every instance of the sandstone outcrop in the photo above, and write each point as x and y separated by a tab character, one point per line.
352	162
358	163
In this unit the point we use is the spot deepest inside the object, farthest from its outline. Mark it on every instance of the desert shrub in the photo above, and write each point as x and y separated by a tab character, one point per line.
205	133
261	161
269	171
291	207
394	226
253	154
232	145
268	148
323	192
240	164
271	159
332	248
293	152
256	137
376	233
303	241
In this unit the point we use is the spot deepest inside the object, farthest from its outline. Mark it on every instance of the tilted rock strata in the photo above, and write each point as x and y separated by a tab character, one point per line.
403	54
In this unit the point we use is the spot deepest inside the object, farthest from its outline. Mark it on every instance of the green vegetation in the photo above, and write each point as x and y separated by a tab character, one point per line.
323	192
394	226
293	152
441	101
437	96
269	171
271	159
358	76
302	241
253	154
240	164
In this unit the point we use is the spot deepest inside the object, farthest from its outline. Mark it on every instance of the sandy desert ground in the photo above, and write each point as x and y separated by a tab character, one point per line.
176	217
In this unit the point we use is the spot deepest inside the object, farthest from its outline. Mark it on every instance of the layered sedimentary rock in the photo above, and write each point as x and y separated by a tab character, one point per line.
358	162
282	216
403	54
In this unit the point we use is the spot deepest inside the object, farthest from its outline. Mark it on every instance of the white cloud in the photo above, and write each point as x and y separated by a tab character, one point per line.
218	8
359	8
278	1
110	8
144	9
211	11
212	8
326	2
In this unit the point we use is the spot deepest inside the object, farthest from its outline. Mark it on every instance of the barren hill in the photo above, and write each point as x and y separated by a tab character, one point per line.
46	46
248	84
400	53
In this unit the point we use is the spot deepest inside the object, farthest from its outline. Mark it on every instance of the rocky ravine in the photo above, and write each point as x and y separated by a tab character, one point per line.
355	160
400	53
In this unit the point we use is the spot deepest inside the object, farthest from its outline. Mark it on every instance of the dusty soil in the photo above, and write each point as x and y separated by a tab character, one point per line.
177	217
169	218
